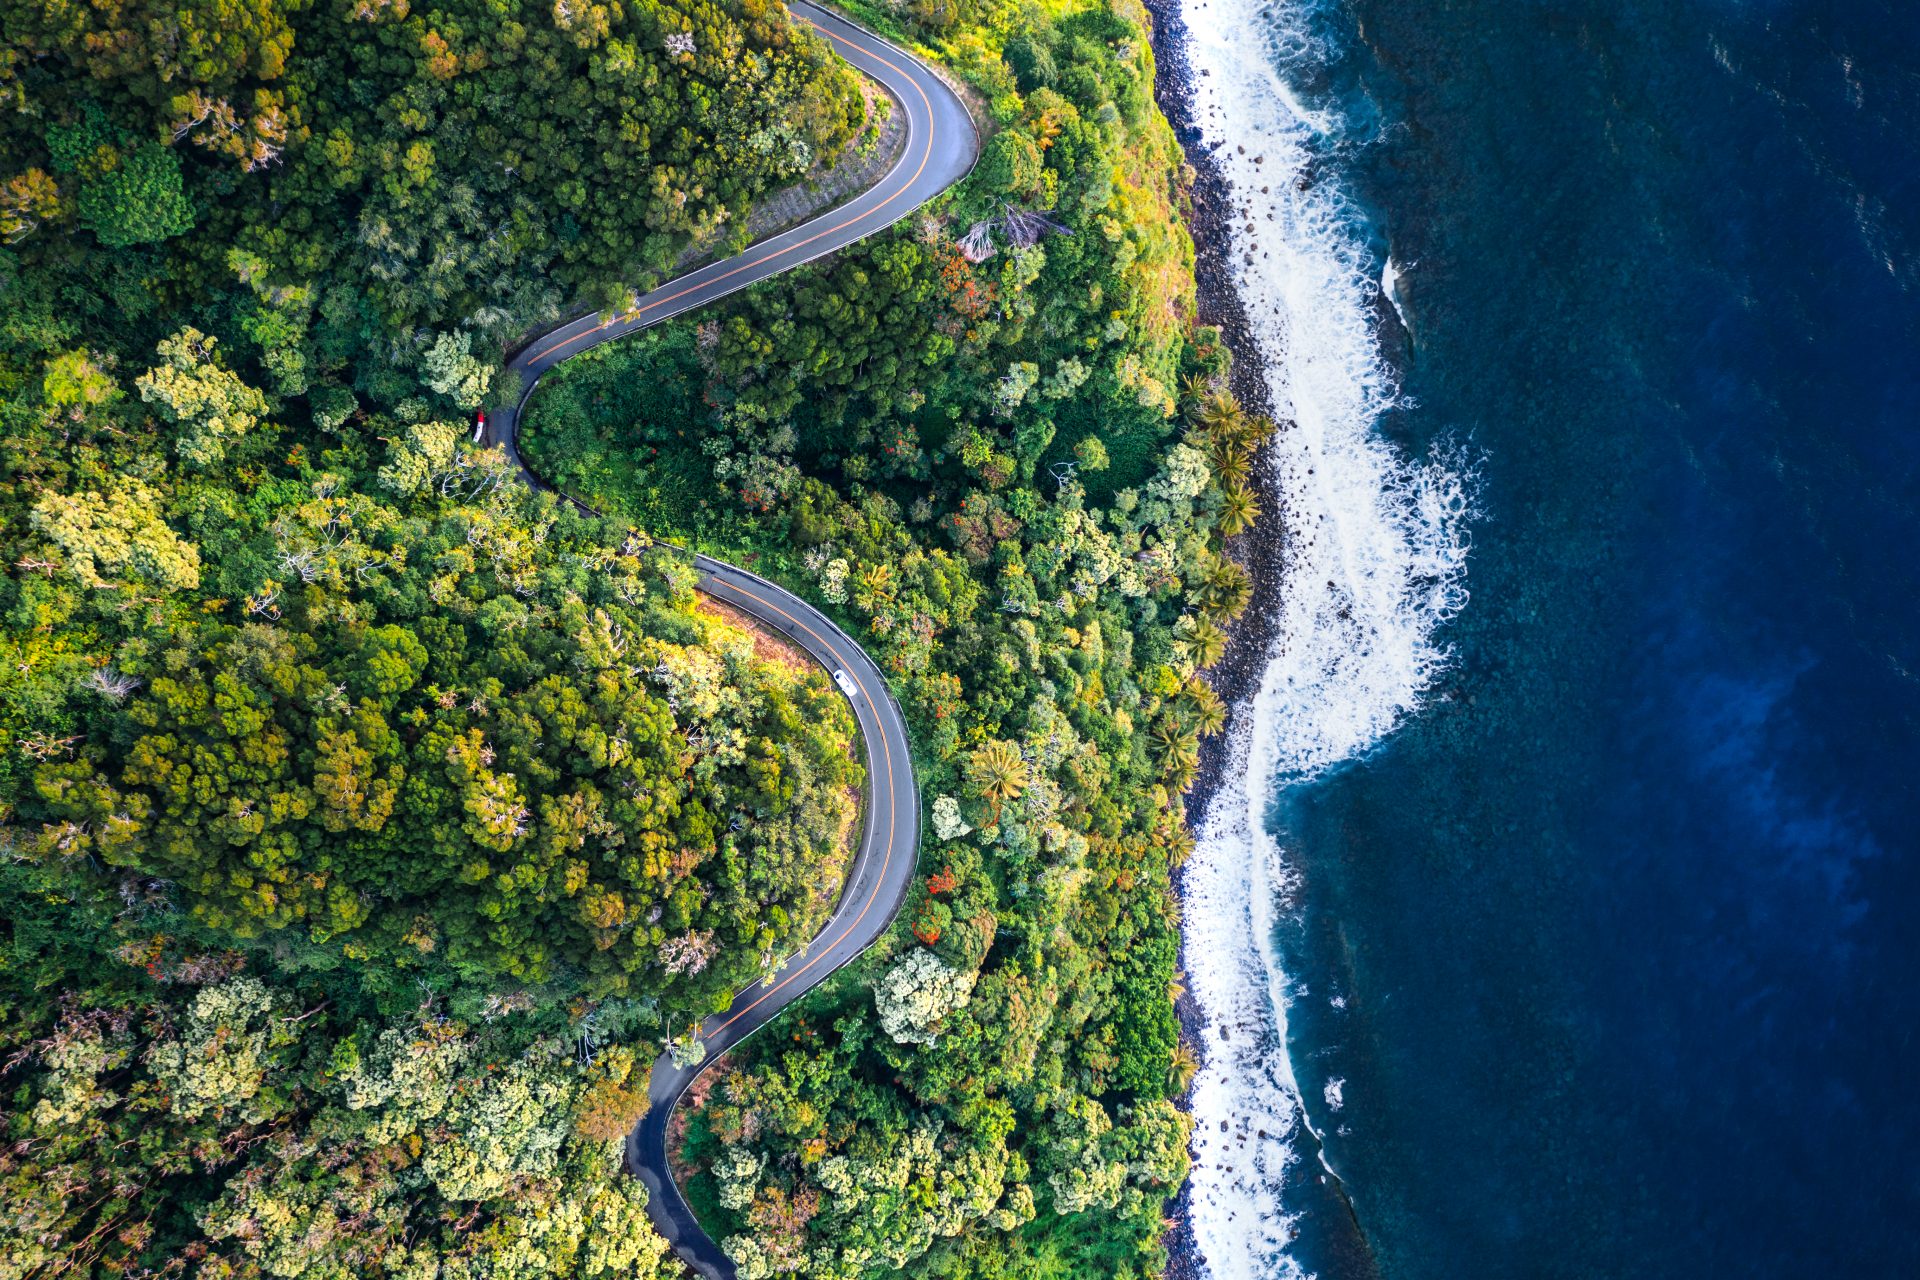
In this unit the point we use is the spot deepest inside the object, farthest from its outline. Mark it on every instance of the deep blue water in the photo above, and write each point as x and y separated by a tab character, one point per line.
1626	917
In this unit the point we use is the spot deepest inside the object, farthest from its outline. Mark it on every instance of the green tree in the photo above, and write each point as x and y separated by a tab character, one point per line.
1010	165
997	774
195	391
26	200
1091	454
105	534
1238	509
917	994
450	369
537	779
220	1059
140	199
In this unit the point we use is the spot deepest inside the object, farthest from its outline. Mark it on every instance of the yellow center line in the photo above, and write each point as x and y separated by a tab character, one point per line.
885	862
927	155
599	331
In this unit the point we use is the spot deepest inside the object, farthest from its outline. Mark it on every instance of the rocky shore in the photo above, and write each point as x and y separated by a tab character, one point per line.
1237	676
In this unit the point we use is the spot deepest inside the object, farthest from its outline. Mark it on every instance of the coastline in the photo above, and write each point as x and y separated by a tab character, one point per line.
1236	677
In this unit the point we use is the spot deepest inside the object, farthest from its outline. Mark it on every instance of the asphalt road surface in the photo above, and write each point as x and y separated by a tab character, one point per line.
941	147
876	888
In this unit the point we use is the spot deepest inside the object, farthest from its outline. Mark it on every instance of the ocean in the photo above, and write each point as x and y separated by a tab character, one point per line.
1555	916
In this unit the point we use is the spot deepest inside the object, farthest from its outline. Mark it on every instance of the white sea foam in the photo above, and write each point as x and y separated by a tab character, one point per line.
1390	277
1374	564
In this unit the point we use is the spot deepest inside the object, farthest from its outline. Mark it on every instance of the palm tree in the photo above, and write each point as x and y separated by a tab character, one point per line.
1178	842
997	773
1260	429
1238	510
1208	712
873	589
1225	589
1176	752
1183	1068
1228	429
1232	467
1220	415
1206	643
1196	387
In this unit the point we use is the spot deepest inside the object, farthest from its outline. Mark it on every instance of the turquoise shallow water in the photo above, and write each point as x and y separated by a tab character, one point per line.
1623	919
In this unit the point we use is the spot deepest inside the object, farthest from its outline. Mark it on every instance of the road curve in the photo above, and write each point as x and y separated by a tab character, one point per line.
876	888
940	149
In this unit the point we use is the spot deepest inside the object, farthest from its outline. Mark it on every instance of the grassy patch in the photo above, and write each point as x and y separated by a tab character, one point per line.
702	1191
1134	441
620	427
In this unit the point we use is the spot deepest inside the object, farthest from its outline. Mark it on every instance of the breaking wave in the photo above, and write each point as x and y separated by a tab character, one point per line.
1374	564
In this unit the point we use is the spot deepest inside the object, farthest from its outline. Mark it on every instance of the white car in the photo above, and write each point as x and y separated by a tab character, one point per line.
847	686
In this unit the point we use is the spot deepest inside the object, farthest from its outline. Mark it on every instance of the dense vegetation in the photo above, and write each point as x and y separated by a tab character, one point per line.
206	1122
371	822
368	818
998	450
404	190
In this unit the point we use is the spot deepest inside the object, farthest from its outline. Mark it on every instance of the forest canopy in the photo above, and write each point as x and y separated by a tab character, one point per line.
996	446
372	821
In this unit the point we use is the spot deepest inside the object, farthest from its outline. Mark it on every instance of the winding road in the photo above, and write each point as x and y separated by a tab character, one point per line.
940	149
